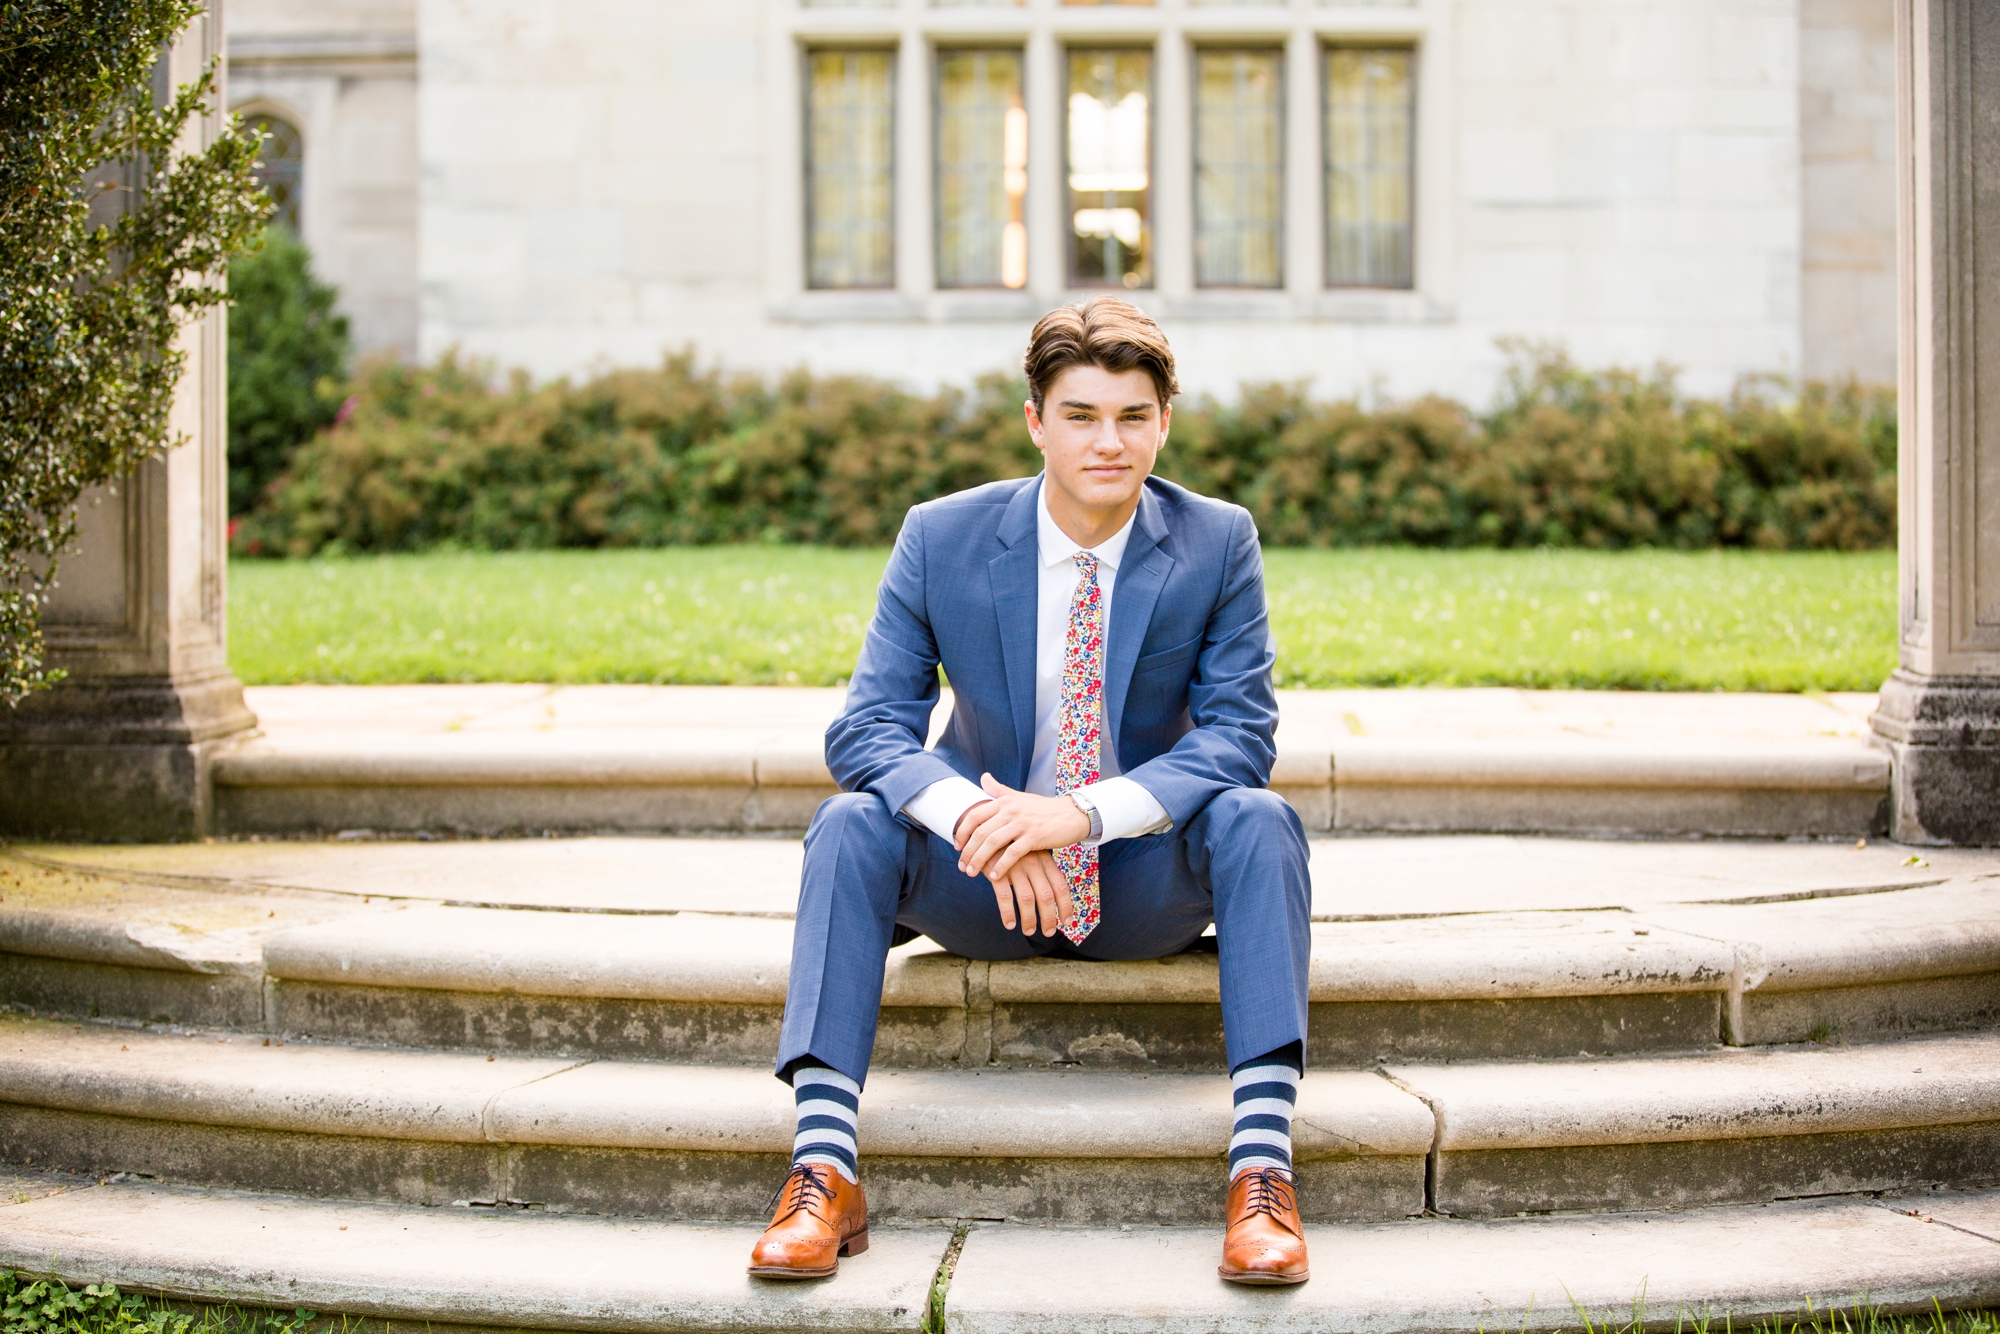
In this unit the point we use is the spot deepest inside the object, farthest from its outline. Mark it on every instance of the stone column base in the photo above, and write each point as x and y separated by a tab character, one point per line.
122	760
1943	734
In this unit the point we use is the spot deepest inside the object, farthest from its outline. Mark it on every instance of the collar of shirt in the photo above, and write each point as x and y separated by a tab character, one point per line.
1057	546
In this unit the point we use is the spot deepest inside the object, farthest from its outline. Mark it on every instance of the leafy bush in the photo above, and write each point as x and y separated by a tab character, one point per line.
288	353
108	235
444	457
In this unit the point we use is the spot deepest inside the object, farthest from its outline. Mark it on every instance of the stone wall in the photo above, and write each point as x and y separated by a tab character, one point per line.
1847	114
1696	181
345	73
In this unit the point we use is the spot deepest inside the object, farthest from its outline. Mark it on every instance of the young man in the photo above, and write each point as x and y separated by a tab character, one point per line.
1099	792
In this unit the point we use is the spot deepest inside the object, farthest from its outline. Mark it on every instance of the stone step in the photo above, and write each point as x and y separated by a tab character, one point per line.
475	1268
640	1138
708	986
709	779
1714	1127
654	1139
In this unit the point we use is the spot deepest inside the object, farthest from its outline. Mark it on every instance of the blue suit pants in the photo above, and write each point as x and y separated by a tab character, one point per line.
1239	863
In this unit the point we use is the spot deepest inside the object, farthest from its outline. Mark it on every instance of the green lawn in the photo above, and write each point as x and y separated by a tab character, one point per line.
1647	620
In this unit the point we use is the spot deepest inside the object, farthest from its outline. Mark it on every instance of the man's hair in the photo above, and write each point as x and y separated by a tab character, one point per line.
1105	332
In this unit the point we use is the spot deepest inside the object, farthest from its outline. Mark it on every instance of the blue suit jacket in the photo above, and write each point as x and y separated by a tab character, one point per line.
1187	673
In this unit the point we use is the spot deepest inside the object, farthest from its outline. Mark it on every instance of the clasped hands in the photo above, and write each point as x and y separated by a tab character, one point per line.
1007	840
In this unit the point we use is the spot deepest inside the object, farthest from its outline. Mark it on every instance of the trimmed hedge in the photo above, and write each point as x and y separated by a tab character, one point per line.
441	456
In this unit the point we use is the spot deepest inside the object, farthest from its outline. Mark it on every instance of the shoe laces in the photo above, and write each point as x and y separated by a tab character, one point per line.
1272	1193
798	1188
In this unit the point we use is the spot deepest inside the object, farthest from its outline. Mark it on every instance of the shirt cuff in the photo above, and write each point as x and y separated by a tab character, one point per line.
1126	807
939	806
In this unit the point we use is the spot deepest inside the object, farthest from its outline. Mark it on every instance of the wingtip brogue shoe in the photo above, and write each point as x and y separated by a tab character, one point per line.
819	1217
1265	1242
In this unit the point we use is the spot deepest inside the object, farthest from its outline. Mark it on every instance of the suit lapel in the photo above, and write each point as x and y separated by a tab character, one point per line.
1014	576
1141	576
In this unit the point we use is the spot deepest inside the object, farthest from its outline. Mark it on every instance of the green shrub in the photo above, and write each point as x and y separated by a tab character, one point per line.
288	353
109	235
444	456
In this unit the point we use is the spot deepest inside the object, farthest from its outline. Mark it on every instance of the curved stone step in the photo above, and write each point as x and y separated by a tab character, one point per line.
708	987
714	779
694	987
480	1268
1410	875
499	1269
1725	1125
1676	1271
693	1142
664	1140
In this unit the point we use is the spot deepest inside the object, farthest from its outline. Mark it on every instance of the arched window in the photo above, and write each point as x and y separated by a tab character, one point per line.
280	165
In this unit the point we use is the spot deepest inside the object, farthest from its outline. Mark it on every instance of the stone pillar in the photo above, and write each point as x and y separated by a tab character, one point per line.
1940	712
120	750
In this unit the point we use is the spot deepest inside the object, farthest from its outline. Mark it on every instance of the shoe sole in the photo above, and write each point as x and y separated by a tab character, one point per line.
854	1245
1252	1278
772	1271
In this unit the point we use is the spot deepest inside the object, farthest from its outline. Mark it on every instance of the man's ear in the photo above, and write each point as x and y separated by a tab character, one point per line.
1034	422
1166	420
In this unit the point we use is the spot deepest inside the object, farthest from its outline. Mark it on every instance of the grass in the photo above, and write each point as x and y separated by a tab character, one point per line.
43	1306
1645	620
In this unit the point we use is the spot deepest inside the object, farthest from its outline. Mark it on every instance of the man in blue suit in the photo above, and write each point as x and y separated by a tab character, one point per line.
1099	792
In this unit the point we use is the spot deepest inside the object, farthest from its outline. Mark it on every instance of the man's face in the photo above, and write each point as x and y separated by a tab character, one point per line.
1099	432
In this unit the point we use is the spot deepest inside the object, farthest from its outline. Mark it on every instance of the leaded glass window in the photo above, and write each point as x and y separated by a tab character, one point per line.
1238	168
1110	167
850	168
982	170
280	166
1369	165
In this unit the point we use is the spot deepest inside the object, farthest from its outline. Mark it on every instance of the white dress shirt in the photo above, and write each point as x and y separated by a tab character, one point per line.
1126	808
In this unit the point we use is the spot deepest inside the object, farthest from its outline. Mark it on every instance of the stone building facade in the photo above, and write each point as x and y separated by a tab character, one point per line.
1368	196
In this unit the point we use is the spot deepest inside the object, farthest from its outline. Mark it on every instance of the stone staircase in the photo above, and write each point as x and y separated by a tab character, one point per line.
527	1083
512	759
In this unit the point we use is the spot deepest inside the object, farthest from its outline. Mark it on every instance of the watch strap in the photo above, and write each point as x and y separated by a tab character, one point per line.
1089	808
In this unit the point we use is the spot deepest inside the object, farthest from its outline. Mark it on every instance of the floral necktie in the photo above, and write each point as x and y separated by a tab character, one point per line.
1079	739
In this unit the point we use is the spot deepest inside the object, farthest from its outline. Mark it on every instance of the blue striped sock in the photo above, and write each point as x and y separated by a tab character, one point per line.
828	1104
1267	1089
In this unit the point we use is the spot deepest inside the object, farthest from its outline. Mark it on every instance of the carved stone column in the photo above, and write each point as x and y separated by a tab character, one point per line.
120	750
1940	712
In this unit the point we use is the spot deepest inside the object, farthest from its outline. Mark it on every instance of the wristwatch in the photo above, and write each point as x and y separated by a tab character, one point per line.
1089	808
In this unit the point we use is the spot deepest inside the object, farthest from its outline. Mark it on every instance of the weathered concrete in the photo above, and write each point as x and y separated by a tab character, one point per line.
430	1128
1859	965
1946	744
1721	1094
1976	1212
681	957
1684	1174
1353	878
1717	1127
528	1269
311	955
236	1080
497	759
616	874
456	1266
1655	787
149	995
711	988
1437	1274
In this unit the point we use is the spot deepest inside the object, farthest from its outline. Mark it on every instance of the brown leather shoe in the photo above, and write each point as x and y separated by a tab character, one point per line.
1265	1243
820	1217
